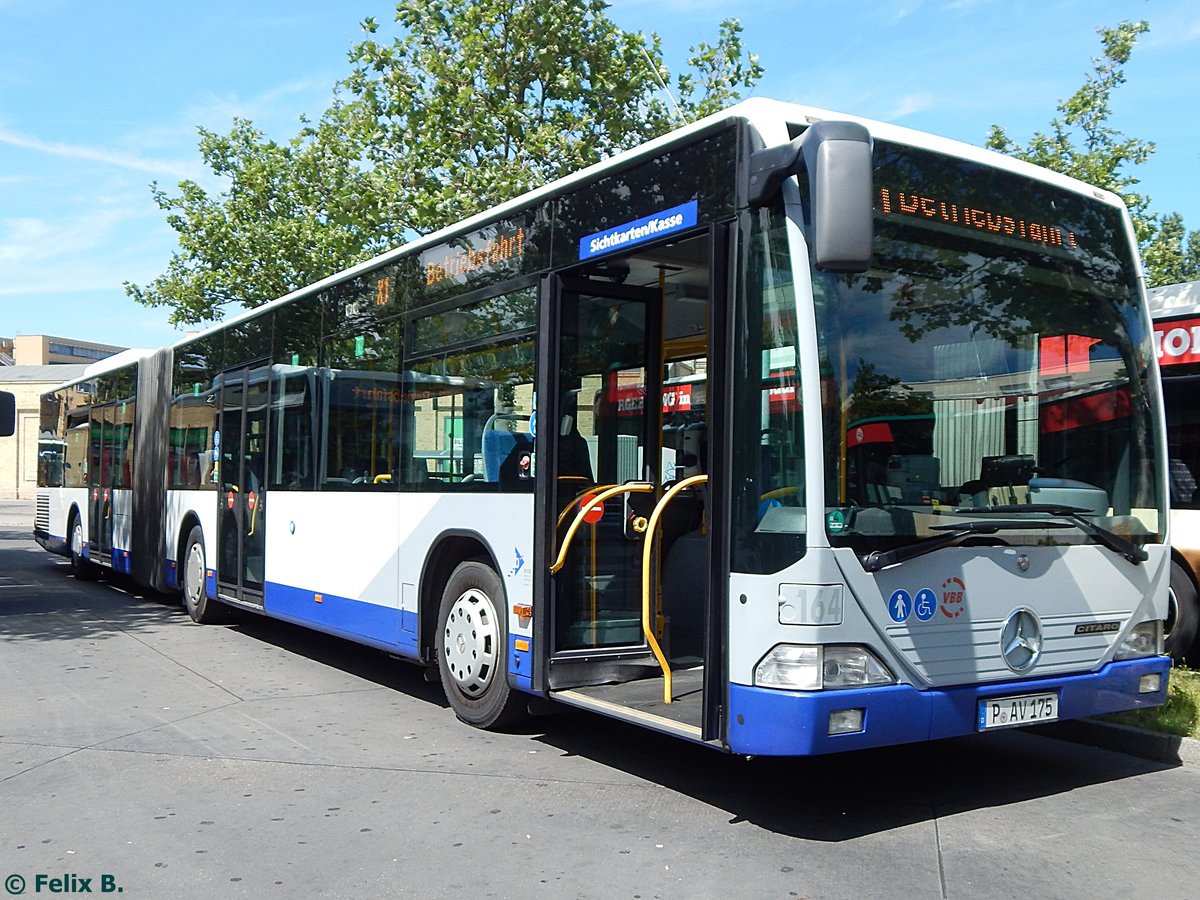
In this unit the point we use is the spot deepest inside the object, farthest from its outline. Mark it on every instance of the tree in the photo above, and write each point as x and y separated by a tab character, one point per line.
1171	257
1083	144
471	103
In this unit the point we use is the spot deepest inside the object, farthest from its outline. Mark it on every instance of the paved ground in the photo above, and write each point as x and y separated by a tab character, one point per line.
263	760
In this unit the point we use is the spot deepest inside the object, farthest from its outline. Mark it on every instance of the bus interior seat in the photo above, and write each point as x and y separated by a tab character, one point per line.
1006	478
517	467
502	451
496	447
685	574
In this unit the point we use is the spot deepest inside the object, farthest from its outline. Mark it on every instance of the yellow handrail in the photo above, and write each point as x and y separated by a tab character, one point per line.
647	549
590	489
634	487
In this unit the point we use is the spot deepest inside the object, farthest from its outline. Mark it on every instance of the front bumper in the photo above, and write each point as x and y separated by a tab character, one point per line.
768	722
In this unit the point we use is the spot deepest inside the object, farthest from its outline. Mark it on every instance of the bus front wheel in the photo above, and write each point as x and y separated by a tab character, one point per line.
202	609
472	643
1183	617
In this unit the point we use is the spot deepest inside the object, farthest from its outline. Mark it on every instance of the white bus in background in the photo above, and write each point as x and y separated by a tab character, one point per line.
91	466
786	433
1176	313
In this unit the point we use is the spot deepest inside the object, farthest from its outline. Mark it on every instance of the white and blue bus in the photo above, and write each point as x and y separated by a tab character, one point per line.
1175	311
786	433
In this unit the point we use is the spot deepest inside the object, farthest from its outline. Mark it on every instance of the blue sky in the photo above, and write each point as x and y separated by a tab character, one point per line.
97	100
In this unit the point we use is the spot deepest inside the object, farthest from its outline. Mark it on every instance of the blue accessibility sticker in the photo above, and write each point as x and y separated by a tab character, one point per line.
899	605
925	604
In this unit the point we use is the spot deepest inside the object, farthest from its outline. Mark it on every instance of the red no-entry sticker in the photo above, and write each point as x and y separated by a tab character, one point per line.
595	514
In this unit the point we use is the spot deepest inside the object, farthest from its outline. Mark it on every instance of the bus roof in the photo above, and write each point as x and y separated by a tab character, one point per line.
1174	300
106	365
770	118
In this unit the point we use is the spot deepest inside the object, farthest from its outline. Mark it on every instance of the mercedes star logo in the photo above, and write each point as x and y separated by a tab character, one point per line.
1021	640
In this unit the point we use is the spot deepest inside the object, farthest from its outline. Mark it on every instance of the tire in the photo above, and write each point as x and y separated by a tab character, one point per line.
472	648
202	609
83	569
1183	619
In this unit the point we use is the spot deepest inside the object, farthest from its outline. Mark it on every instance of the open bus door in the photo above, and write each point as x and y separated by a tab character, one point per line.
624	475
242	434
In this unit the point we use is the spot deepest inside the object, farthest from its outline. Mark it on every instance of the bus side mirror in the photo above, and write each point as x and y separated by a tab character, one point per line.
837	158
8	414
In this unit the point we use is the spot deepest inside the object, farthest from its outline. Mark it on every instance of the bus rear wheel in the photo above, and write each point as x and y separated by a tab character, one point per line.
81	568
201	609
1183	617
472	644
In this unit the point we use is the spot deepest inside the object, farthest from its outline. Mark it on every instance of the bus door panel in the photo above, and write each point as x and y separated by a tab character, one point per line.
242	427
601	437
100	464
628	414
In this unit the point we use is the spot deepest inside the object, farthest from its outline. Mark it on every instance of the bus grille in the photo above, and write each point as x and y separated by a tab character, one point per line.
953	654
41	519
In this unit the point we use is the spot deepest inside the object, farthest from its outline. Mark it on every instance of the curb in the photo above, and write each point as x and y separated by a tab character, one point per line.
1152	745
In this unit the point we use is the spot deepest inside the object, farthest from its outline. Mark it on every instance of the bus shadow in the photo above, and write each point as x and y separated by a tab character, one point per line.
846	796
42	601
346	656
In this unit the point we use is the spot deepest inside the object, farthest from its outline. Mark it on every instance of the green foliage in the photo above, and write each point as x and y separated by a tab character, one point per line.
1081	143
469	104
290	214
1172	256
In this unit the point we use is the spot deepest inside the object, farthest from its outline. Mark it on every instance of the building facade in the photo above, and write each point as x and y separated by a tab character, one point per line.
47	350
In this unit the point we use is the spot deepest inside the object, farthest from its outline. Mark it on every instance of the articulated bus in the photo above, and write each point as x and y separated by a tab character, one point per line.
786	433
1176	314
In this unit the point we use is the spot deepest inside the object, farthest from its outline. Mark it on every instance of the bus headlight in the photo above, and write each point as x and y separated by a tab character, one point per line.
854	667
1146	639
799	667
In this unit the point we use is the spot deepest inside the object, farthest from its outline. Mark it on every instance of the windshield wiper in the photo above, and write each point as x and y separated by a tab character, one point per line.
881	559
1109	539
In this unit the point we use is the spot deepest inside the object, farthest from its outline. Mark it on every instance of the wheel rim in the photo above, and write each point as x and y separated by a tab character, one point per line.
469	643
193	574
77	541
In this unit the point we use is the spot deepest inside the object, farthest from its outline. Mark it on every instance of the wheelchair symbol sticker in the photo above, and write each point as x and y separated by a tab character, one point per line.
925	604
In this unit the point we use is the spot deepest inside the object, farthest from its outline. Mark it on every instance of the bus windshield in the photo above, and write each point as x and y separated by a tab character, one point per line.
994	355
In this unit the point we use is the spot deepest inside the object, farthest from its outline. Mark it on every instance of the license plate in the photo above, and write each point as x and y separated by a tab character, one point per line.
1028	709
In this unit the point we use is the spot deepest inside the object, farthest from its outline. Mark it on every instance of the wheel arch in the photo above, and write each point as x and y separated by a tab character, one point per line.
189	521
452	547
74	514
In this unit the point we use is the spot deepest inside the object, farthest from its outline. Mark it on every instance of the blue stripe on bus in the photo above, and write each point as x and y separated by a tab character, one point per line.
520	663
53	543
384	627
121	561
171	575
769	722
